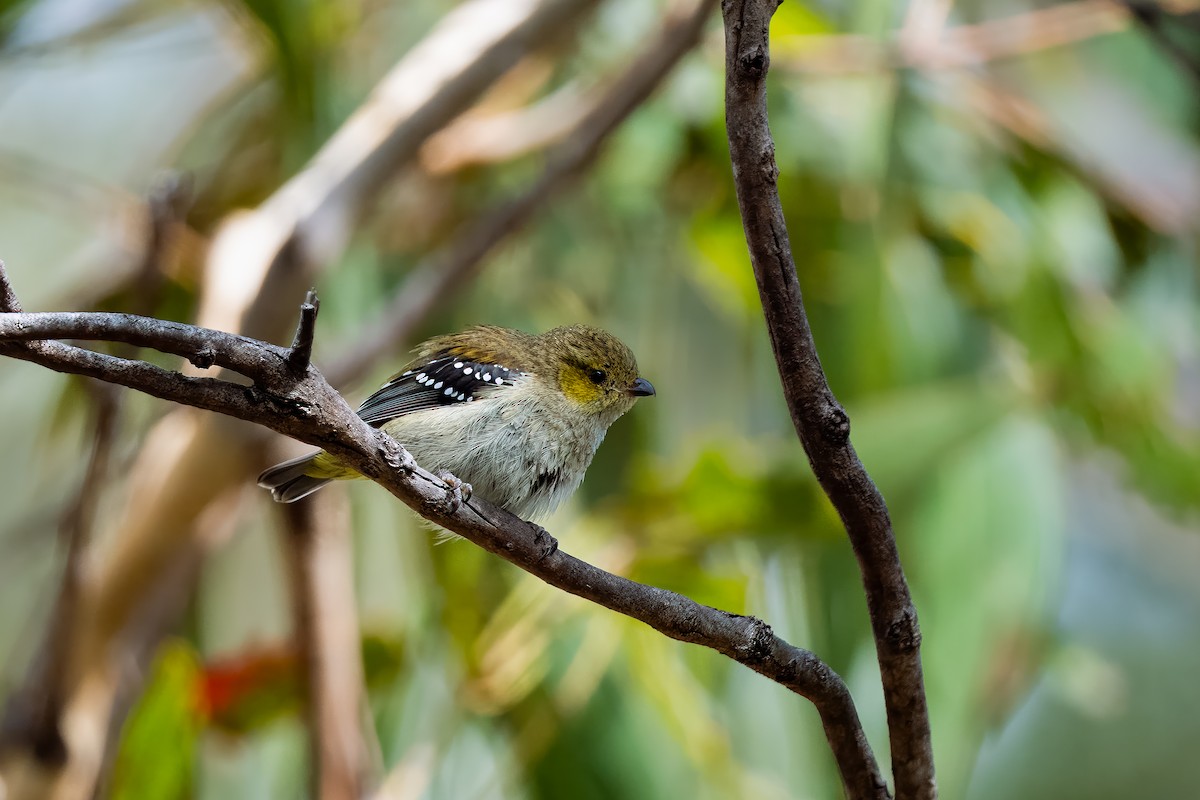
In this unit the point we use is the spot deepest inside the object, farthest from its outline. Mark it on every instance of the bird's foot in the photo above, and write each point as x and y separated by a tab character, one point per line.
396	456
458	492
546	543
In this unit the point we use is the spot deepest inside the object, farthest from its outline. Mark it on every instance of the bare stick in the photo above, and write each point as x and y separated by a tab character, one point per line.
820	422
301	353
307	408
203	347
8	297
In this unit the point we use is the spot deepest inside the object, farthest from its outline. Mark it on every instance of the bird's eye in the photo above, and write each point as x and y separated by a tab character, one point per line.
597	376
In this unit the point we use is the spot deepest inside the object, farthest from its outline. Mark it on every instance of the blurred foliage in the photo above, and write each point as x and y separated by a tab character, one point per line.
1000	268
157	756
246	692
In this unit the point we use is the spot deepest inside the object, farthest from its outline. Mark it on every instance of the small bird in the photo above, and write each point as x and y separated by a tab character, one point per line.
515	415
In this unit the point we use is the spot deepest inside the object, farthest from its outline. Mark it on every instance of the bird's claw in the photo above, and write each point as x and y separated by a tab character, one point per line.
396	456
547	543
458	492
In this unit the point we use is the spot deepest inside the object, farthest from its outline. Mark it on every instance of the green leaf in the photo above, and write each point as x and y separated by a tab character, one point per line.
985	546
156	757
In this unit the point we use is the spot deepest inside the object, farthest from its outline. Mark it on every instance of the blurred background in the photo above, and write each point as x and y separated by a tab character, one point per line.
994	208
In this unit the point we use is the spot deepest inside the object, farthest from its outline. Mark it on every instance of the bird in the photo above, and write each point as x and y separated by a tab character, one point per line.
516	416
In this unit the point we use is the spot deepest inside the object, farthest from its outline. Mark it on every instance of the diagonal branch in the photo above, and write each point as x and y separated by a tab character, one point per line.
307	408
822	424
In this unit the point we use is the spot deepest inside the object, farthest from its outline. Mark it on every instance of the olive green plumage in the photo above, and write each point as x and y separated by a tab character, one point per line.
517	416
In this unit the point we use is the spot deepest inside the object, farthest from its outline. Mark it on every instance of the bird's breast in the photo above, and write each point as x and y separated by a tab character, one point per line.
514	448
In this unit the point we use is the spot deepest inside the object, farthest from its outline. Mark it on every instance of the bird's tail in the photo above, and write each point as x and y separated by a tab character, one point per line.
290	480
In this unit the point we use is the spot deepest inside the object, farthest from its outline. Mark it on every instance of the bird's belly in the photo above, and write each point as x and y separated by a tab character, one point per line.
512	453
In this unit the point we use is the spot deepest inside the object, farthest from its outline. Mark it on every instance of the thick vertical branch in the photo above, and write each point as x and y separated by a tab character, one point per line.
822	424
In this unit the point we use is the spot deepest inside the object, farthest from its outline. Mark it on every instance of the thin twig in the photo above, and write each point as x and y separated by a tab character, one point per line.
820	422
308	409
301	354
203	347
8	296
431	282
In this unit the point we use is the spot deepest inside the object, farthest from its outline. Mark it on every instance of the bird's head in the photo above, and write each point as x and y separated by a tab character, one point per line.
593	369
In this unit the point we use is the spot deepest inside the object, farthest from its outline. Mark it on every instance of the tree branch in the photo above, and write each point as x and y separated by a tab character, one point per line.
203	347
301	353
307	408
820	422
8	296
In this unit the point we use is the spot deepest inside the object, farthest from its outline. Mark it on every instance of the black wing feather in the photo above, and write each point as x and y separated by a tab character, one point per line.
442	381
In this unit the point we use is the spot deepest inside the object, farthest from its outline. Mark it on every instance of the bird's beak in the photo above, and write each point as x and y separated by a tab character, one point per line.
640	388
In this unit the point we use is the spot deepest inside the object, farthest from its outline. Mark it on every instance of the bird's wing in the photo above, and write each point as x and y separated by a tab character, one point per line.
440	381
